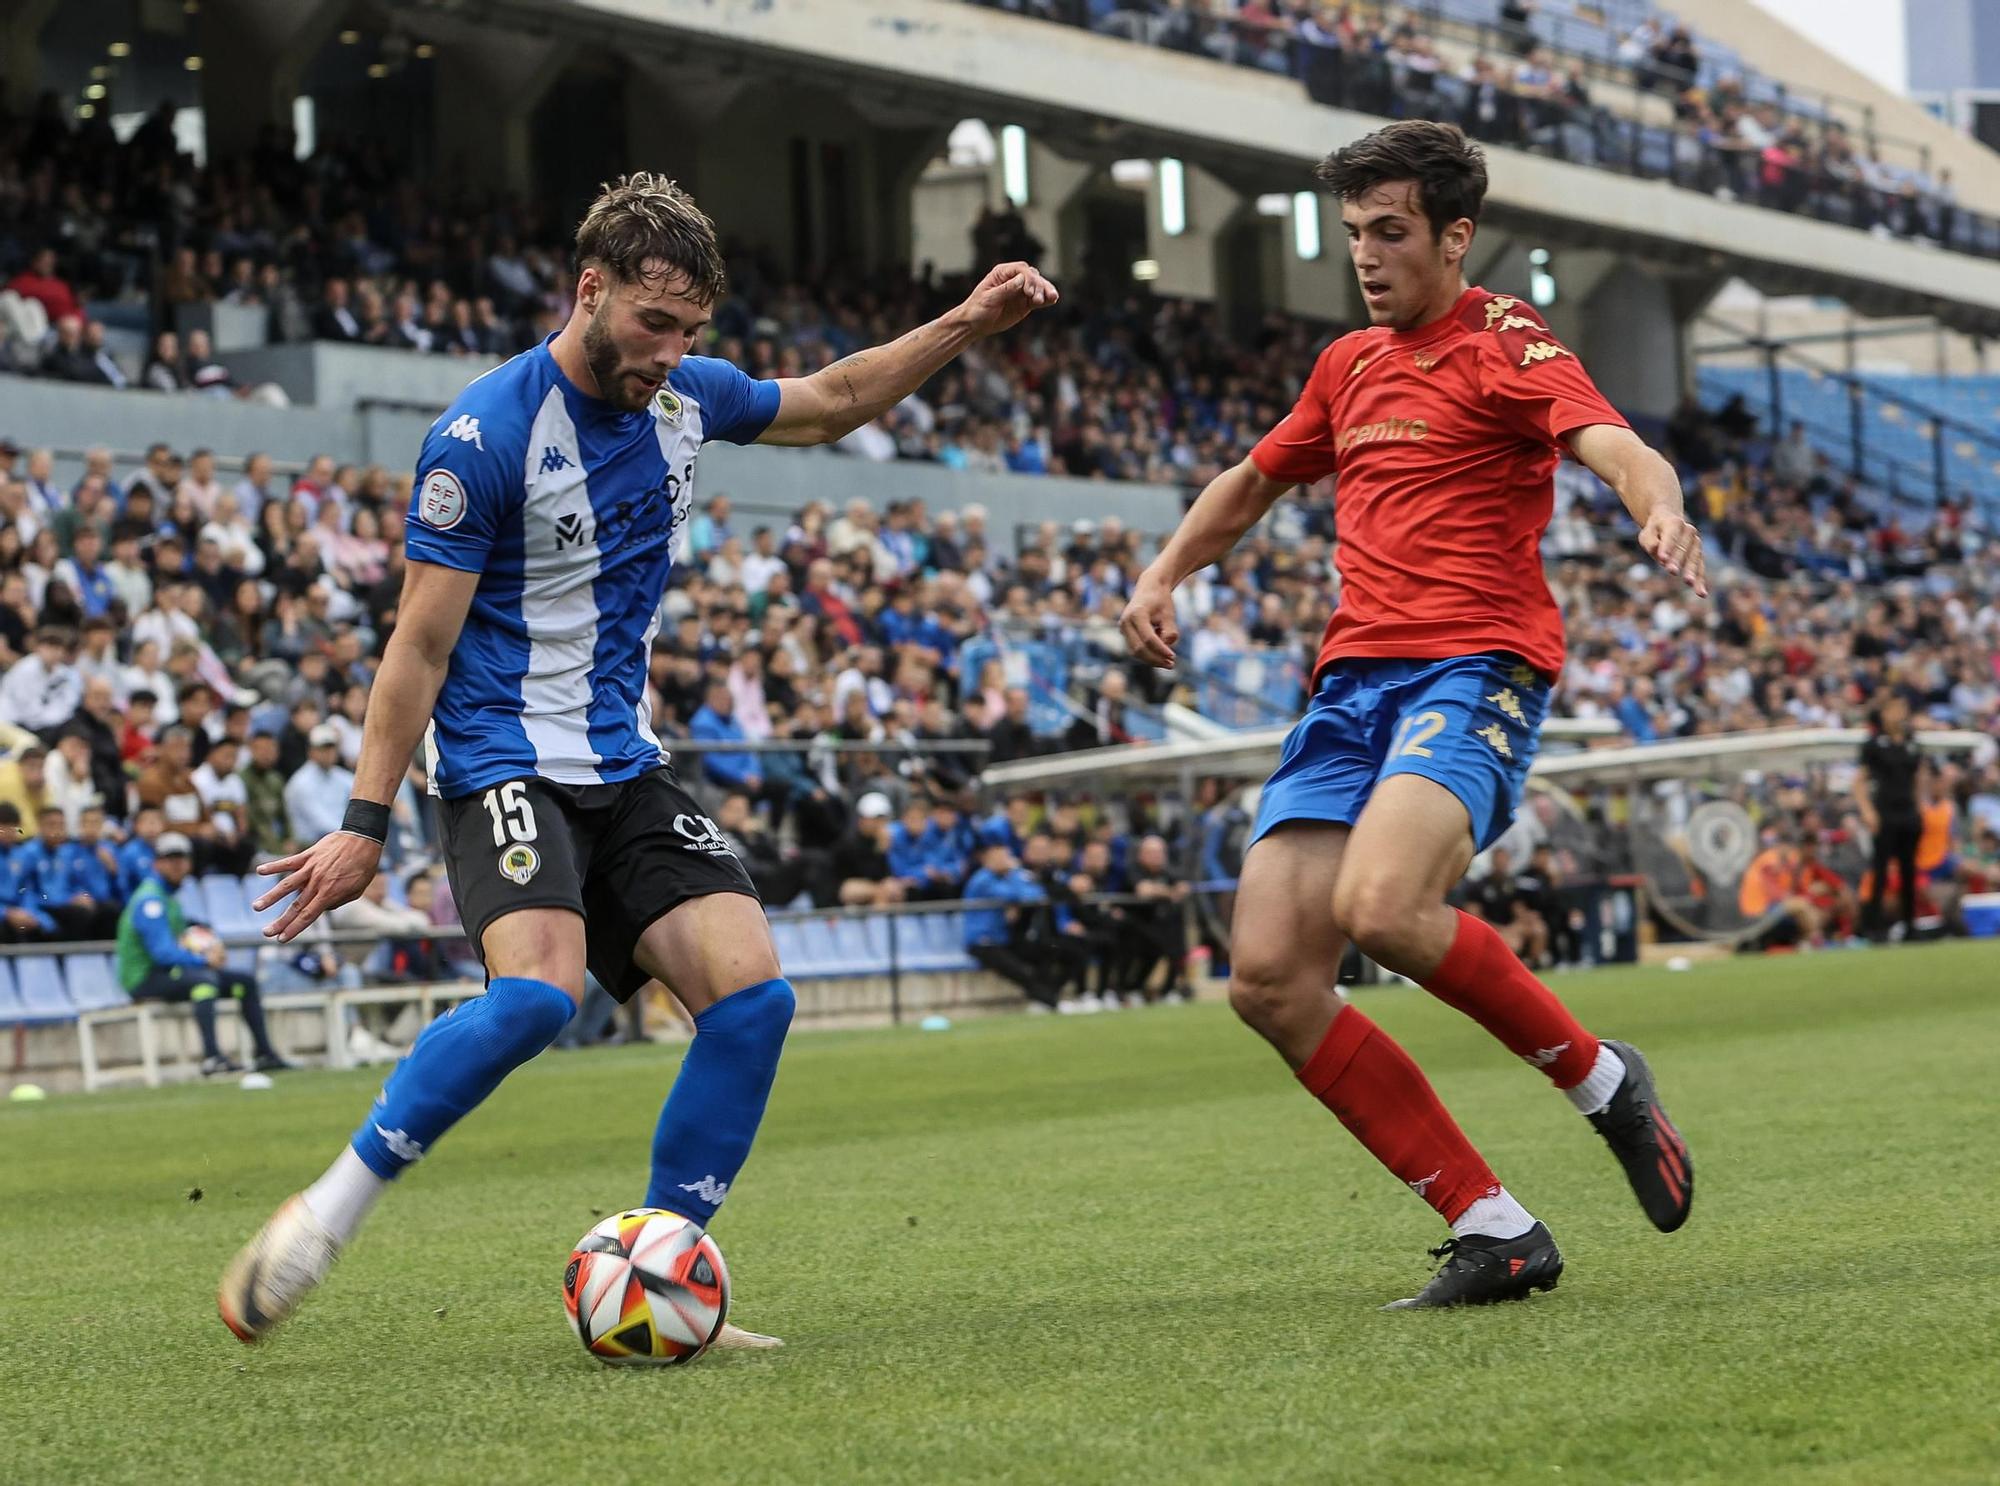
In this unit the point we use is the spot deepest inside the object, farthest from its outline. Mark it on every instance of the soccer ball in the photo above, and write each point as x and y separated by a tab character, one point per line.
199	940
646	1287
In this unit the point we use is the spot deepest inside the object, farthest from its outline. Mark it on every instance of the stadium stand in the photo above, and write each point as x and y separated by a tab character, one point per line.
155	610
1623	86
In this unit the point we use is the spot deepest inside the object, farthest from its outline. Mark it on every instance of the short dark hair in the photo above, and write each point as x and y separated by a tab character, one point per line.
1449	169
643	218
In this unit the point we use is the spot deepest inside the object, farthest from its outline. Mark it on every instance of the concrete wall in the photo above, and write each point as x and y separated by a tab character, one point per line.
329	375
55	414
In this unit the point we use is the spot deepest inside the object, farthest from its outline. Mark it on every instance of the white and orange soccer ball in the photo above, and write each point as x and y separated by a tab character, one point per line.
646	1287
199	940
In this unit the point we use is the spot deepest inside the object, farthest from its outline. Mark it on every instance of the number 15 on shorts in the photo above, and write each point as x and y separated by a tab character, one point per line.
512	811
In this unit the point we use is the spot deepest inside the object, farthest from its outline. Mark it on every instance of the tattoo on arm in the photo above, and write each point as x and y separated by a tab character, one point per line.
845	369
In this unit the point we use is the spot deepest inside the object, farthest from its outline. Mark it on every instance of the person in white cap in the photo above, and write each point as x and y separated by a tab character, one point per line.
316	796
154	964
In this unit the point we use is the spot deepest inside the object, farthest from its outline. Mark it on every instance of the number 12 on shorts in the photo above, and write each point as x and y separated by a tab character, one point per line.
512	811
1411	735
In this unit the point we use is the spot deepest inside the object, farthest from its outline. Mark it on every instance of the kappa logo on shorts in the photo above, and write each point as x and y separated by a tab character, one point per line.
1495	738
1510	704
519	863
699	833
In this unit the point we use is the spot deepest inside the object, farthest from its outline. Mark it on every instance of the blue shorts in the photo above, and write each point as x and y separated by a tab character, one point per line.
1471	723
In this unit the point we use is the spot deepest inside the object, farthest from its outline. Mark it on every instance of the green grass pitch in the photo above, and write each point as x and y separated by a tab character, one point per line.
1120	1248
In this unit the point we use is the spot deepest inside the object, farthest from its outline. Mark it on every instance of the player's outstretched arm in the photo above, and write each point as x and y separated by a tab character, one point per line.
1233	502
834	401
335	868
1651	491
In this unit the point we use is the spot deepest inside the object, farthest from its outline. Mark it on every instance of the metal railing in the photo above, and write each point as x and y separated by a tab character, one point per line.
1945	471
894	970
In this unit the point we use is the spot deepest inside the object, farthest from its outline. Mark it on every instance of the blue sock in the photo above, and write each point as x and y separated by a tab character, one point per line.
714	1108
460	1059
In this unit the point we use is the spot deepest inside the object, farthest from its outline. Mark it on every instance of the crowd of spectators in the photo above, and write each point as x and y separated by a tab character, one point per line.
147	621
343	246
1509	89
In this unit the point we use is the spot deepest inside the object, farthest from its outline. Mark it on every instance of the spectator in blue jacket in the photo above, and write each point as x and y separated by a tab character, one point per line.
96	862
914	857
998	938
22	920
135	856
45	882
1009	826
715	722
950	844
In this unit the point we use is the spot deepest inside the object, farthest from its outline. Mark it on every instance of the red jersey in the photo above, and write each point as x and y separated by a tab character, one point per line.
1445	441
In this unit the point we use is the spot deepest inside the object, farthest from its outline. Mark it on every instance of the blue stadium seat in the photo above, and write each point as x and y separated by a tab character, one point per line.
93	983
194	903
936	942
10	999
875	932
851	946
229	915
228	908
40	982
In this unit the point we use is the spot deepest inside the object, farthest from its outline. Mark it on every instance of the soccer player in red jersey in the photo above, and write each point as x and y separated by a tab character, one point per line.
1444	421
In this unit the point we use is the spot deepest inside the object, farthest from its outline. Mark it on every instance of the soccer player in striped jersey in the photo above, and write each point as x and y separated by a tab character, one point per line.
547	505
1443	420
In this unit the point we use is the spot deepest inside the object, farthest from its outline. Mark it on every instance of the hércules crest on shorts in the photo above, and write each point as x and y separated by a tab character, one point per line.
519	863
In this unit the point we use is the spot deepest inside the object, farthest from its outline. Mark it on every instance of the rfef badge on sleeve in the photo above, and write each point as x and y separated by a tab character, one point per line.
442	503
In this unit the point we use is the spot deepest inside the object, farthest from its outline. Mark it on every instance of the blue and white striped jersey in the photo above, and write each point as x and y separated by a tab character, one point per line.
569	511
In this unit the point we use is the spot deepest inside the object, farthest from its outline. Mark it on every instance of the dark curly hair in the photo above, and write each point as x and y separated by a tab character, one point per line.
642	227
1448	168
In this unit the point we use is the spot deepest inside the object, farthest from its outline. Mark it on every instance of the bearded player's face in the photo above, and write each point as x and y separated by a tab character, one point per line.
1407	271
637	332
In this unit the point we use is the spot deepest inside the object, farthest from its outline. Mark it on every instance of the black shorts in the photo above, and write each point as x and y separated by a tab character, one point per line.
622	855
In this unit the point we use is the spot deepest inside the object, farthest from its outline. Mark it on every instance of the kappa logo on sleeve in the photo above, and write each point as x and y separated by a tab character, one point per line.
442	501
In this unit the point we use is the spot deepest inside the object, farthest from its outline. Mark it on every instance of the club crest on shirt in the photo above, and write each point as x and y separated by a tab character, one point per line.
667	403
1425	360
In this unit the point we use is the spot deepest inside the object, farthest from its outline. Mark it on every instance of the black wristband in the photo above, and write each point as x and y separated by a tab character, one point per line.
366	818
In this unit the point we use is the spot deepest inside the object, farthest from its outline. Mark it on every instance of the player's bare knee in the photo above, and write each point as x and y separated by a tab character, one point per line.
1267	994
1375	912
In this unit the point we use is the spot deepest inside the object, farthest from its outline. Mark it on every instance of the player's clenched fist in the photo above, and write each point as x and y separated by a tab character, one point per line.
1148	625
1006	297
1674	542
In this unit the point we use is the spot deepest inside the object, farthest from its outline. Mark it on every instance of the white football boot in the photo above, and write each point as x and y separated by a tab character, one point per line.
276	1270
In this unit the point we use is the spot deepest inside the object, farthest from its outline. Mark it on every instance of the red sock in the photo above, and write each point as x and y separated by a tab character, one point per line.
1383	1098
1486	980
